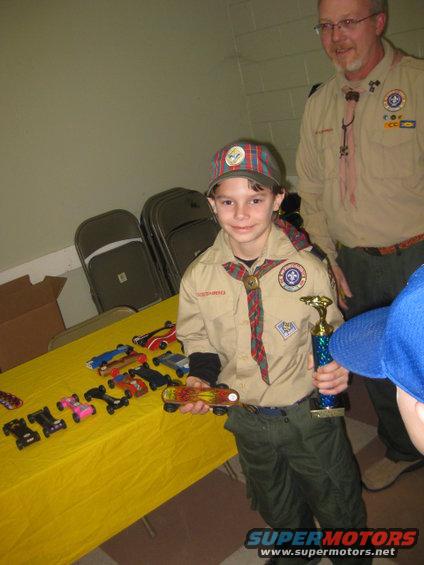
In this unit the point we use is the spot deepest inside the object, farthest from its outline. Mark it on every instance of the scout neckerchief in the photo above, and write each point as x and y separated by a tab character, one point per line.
347	169
254	294
347	166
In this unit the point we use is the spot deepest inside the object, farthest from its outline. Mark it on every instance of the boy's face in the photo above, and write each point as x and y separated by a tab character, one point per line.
245	215
412	413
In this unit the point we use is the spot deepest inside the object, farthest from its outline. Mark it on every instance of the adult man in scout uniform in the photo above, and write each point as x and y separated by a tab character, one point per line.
361	178
240	315
389	343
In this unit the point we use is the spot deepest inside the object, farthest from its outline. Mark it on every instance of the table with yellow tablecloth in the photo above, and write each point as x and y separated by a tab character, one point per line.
66	494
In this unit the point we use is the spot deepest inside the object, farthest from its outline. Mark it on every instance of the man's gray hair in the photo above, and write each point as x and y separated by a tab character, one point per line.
376	6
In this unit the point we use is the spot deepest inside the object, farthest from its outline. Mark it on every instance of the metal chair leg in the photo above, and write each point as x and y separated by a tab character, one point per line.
148	527
231	473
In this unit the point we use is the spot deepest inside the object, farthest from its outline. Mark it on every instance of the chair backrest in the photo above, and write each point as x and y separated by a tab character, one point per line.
89	326
118	262
180	225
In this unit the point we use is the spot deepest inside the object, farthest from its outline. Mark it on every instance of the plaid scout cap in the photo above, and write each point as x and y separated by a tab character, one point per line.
244	159
388	342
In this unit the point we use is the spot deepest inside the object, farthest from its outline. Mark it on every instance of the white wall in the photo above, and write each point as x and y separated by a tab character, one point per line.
103	103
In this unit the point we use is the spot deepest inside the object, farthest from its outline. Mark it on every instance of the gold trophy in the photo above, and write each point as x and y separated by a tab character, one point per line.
326	405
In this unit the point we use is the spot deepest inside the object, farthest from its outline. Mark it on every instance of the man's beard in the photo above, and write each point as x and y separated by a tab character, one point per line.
350	67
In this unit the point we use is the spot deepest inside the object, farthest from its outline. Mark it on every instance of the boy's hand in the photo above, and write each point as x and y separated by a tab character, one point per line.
199	407
331	378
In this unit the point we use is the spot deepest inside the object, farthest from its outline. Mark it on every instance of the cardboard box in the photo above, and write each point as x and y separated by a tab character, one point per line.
29	318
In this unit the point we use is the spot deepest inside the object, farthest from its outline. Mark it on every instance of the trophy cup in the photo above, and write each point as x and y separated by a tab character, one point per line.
326	405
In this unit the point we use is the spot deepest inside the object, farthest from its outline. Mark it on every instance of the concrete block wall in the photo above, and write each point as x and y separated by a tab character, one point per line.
280	58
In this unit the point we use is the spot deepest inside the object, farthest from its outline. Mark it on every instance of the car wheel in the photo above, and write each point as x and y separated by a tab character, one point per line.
128	393
46	432
59	406
219	411
75	397
163	345
102	389
19	444
111	383
63	424
31	418
179	373
76	418
170	407
110	409
6	430
125	401
94	409
87	397
156	361
153	386
169	324
221	385
146	365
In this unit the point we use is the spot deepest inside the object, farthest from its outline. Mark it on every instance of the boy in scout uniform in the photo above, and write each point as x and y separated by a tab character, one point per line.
242	323
361	179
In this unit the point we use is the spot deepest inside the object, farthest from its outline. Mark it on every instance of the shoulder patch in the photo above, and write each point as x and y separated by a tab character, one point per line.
292	277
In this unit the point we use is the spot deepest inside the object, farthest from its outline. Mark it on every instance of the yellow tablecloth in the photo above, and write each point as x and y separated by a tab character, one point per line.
65	495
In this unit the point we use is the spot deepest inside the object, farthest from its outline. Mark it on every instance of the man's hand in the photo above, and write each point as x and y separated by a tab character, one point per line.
331	378
343	289
198	407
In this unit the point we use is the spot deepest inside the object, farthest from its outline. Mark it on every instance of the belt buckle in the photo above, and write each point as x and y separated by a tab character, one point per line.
250	408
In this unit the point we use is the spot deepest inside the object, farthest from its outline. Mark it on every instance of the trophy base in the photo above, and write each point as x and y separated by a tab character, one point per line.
317	411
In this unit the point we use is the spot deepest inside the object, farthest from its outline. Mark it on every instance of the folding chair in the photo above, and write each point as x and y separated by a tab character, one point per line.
89	326
118	263
179	225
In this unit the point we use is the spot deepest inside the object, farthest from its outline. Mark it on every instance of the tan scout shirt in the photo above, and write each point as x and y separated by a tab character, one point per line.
389	152
213	318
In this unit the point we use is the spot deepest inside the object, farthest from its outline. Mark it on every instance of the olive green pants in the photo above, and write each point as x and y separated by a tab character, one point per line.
298	467
375	281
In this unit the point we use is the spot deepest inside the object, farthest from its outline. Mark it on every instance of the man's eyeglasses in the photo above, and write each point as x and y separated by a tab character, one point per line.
345	25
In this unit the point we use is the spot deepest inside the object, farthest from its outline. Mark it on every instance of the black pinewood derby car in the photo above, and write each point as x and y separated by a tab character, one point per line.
154	378
112	402
23	434
49	424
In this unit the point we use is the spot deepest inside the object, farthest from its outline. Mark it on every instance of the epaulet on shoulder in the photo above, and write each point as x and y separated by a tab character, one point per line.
320	86
318	252
314	88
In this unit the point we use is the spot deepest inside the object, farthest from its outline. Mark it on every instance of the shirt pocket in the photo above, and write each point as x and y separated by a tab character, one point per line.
218	315
394	153
329	154
284	336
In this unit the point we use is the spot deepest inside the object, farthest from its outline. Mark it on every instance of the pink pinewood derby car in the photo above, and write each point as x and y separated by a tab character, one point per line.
79	410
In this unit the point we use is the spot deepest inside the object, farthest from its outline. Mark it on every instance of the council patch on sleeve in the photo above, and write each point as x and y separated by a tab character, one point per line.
292	277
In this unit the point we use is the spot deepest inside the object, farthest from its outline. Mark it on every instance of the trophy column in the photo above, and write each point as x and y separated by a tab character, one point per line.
326	405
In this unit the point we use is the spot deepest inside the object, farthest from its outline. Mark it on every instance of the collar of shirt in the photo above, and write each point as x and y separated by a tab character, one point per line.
278	247
378	73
